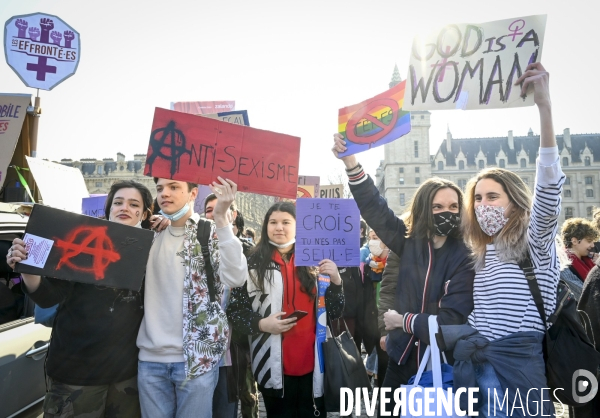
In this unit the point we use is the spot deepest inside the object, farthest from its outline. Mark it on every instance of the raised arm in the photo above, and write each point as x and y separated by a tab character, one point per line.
373	207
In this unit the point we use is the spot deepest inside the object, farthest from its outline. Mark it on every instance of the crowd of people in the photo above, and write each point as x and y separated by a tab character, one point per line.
210	328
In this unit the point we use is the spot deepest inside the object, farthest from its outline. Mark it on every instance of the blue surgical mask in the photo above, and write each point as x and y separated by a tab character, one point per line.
177	215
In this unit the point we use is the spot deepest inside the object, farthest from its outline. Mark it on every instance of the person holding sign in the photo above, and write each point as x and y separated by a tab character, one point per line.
92	359
183	334
277	307
435	275
504	228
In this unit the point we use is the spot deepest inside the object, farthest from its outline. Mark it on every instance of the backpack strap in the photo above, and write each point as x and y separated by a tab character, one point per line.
203	232
527	266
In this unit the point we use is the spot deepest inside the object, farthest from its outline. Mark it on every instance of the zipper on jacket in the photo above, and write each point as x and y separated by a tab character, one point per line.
422	309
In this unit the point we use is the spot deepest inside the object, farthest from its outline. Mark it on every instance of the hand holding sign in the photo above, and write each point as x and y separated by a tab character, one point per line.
537	77
225	192
329	268
339	147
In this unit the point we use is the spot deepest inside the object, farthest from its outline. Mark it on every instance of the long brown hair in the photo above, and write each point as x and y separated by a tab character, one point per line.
262	254
418	218
511	242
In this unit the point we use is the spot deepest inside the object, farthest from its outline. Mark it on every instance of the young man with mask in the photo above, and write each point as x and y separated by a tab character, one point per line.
183	334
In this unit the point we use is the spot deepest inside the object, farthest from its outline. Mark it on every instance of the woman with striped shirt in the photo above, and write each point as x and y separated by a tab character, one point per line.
502	225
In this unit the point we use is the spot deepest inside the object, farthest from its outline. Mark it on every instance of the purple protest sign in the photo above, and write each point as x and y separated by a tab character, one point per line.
93	206
327	229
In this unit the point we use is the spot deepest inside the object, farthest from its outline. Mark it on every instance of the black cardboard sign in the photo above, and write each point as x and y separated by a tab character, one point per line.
89	250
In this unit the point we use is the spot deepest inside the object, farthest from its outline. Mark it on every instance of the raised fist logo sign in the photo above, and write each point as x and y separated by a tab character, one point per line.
56	37
34	33
22	26
69	36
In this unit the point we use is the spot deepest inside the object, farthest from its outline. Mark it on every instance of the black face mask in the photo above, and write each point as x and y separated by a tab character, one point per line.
445	223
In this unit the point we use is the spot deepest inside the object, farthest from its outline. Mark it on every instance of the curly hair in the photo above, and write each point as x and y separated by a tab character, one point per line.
578	228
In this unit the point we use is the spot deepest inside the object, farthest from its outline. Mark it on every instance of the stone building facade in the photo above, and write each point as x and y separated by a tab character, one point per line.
99	175
407	162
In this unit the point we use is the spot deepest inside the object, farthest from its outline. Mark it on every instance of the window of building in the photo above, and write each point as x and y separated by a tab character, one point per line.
402	199
525	180
416	149
481	164
440	165
502	163
565	161
589	180
461	165
568	213
417	169
567	181
401	180
567	193
412	117
98	184
122	168
422	117
462	183
417	180
523	163
587	161
590	211
589	192
401	170
99	170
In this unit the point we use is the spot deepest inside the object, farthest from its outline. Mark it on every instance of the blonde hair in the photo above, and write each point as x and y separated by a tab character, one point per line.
511	242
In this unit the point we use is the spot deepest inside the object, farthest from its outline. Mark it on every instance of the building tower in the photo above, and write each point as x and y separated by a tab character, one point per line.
407	162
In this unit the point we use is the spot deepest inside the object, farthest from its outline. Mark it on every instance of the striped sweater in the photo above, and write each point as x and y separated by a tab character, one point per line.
503	303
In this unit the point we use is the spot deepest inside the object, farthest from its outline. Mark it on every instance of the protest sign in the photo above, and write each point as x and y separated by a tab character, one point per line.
61	187
239	117
199	203
310	181
474	66
332	191
94	205
13	108
203	108
87	250
327	229
305	191
188	148
42	49
374	122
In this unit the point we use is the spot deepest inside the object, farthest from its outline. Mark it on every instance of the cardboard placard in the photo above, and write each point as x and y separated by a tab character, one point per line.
238	117
53	179
195	149
306	192
42	49
332	191
374	122
310	181
13	108
89	250
94	205
327	229
474	66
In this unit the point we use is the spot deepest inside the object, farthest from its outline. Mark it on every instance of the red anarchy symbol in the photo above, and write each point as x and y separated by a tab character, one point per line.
363	113
102	251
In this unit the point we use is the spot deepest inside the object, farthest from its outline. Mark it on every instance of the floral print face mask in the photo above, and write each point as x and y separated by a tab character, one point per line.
491	218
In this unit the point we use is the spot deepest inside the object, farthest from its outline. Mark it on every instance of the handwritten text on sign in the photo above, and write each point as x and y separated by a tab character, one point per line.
474	66
327	229
195	149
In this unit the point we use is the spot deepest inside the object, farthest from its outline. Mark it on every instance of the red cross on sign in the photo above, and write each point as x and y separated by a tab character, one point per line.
365	114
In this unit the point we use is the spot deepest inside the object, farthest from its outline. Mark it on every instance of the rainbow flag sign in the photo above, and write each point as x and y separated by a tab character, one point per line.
375	121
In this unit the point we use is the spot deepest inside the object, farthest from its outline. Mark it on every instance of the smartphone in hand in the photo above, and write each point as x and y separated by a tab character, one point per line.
296	314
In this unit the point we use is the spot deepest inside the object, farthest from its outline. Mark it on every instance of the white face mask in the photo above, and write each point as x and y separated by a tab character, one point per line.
375	247
287	244
490	218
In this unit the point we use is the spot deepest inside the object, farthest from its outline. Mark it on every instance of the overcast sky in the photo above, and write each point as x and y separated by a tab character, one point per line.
292	65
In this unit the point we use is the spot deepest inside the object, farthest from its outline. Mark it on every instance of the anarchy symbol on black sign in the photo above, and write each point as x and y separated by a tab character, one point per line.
171	139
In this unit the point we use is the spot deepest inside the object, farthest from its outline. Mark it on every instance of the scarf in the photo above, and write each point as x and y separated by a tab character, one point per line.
582	266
